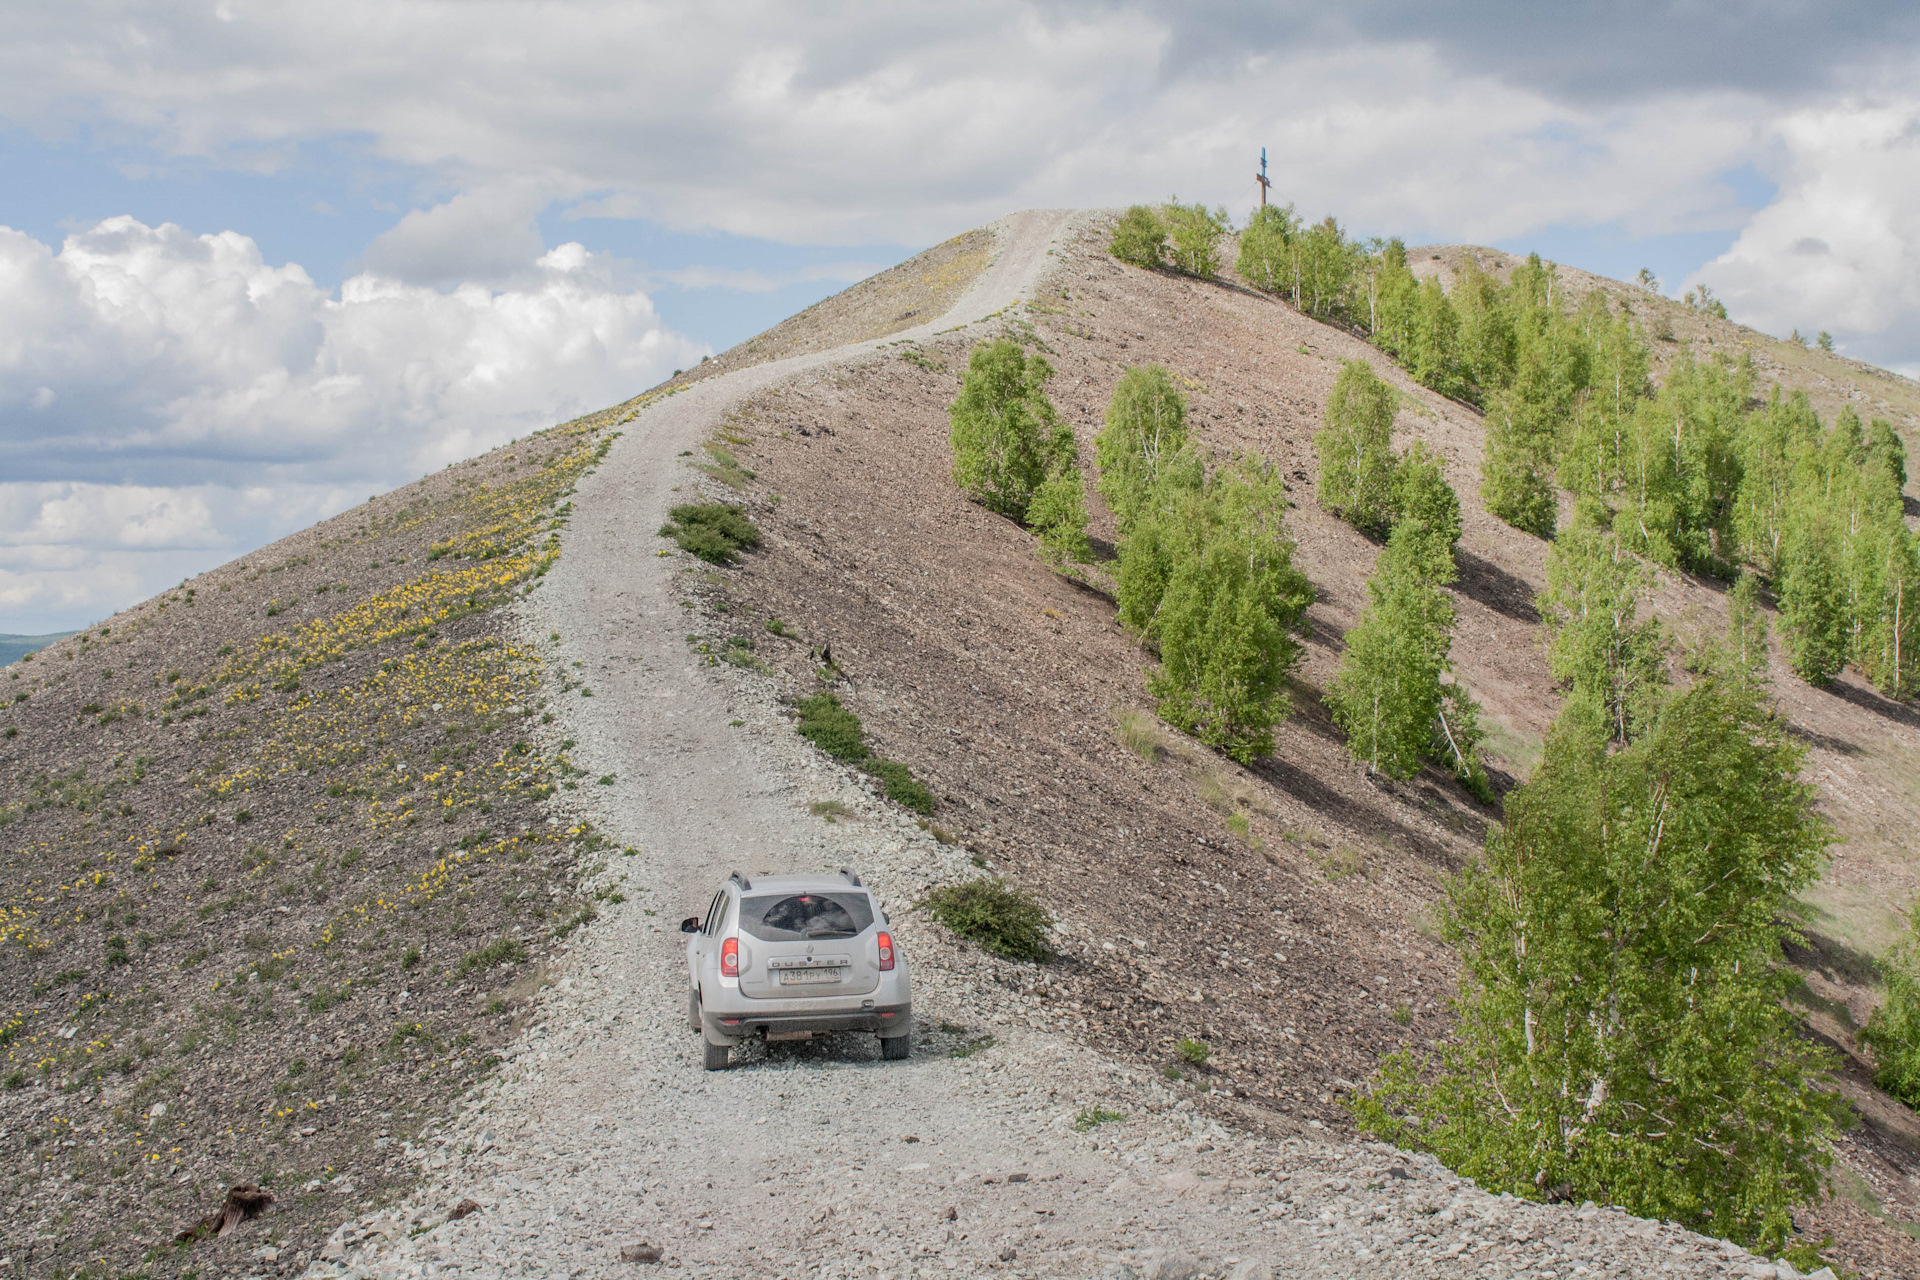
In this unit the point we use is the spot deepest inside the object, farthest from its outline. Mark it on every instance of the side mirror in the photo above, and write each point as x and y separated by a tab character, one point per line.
690	925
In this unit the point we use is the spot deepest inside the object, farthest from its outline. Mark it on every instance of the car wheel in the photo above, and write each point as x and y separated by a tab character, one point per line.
896	1048
693	1011
719	1056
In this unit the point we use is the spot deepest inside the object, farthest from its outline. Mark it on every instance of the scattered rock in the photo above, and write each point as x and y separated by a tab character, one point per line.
1159	1264
464	1208
640	1253
1008	1254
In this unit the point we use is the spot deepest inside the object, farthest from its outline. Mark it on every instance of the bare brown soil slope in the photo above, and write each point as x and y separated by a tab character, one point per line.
1297	951
277	874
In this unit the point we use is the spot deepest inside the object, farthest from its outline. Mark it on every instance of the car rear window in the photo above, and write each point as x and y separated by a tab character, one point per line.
799	917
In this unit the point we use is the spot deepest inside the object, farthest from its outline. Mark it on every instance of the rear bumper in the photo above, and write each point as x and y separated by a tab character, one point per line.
732	1025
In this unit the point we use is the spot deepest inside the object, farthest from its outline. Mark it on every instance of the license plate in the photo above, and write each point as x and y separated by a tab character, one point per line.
795	977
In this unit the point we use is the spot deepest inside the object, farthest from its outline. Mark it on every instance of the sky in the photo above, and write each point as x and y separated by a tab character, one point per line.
260	261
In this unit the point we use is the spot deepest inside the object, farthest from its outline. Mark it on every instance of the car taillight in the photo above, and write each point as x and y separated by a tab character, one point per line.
730	958
886	952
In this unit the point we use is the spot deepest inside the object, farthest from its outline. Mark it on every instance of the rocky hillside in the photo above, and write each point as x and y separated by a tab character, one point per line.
282	870
1278	912
288	855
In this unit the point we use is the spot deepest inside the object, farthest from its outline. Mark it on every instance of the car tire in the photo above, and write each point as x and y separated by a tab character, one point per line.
693	1012
719	1056
896	1048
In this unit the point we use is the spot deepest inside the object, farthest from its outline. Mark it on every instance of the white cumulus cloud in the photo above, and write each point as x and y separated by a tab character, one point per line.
1839	247
168	398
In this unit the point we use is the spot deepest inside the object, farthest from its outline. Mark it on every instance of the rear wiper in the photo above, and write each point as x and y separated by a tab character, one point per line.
829	933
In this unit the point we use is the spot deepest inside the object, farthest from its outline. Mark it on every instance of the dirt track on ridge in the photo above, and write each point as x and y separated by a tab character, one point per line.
819	1160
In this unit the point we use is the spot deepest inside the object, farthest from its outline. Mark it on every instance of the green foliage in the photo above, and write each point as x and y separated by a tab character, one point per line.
1007	437
1230	614
1058	514
1206	569
1090	1118
1621	1033
1266	258
1194	1052
1140	237
1386	696
499	951
1421	497
1613	662
1813	599
1325	274
714	531
995	916
1893	1032
1355	449
1194	237
828	725
1146	426
902	787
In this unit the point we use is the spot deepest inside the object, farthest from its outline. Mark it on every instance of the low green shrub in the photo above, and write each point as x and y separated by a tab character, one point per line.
902	787
995	916
1195	1052
829	726
714	531
1094	1117
499	951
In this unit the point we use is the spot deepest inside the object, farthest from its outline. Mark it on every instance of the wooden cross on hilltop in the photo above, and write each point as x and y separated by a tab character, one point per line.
1261	178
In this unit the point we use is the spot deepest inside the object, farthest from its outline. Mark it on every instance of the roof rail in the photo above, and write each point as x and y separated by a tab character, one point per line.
742	881
852	879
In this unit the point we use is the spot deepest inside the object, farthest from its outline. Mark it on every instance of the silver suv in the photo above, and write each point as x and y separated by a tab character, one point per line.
790	957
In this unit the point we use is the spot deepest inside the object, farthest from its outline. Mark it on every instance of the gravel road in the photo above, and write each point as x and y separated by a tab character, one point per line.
1000	1148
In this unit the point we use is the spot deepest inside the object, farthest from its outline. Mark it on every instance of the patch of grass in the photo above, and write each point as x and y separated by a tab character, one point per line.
902	787
829	809
411	958
1172	1072
1194	1052
835	730
1240	827
998	918
499	951
725	467
1094	1117
1343	862
971	1047
585	916
714	531
829	725
1517	747
1139	733
1404	1015
325	998
778	627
